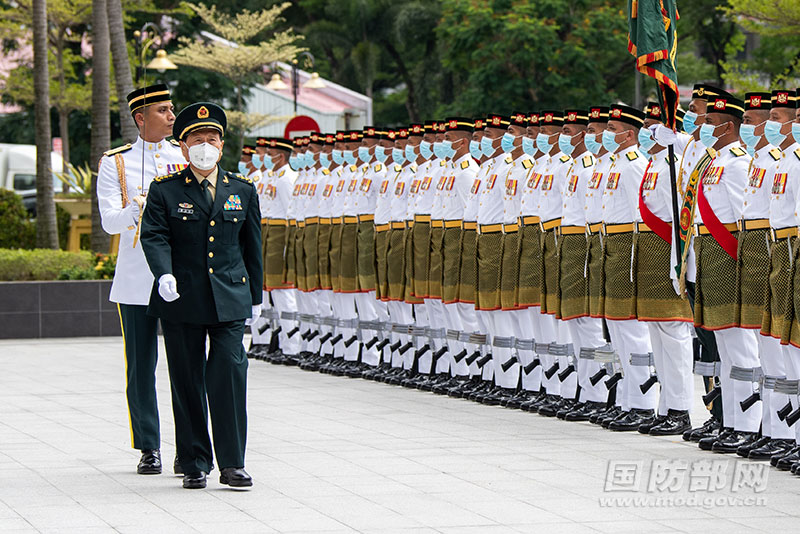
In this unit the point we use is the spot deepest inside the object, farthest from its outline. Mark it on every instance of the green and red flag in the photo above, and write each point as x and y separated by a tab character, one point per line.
653	41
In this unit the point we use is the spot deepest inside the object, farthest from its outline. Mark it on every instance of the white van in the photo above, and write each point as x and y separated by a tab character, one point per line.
18	171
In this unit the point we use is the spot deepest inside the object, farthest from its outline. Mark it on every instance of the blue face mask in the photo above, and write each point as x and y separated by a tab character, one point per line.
410	154
747	133
689	124
507	142
475	149
486	146
338	157
751	151
380	154
243	170
310	159
528	146
293	163
324	160
398	156
437	150
707	136
349	157
592	144
363	154
565	144
610	141
772	131
646	141
543	143
796	131
425	149
267	163
256	159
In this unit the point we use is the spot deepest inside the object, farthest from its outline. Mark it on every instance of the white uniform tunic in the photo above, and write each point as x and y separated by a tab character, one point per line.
133	280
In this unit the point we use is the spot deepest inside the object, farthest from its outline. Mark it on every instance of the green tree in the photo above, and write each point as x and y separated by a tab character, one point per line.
527	54
101	96
716	35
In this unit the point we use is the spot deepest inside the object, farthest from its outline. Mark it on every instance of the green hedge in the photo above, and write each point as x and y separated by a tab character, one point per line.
45	264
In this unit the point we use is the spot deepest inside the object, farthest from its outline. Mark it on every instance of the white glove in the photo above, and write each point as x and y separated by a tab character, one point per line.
663	135
137	207
168	287
255	313
676	286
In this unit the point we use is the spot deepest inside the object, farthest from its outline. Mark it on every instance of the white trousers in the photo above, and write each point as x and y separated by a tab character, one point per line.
400	313
738	347
587	332
344	307
285	300
632	337
673	358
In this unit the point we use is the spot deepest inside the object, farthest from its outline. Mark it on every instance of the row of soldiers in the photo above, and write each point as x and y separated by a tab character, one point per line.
530	261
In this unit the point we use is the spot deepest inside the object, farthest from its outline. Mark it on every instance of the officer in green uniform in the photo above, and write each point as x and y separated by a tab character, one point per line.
201	235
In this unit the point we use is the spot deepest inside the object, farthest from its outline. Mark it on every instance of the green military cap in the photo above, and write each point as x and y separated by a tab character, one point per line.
198	116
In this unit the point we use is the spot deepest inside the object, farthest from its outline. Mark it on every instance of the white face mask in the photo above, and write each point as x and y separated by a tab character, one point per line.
203	156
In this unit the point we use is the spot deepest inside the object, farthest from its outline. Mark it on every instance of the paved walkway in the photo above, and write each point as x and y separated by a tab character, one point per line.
335	454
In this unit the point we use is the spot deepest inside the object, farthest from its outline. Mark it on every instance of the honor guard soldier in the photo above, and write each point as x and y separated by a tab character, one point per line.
753	270
790	338
780	368
123	180
692	152
281	290
716	303
573	305
658	301
201	236
631	338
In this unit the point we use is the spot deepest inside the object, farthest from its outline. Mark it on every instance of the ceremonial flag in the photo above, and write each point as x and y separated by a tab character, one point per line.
653	41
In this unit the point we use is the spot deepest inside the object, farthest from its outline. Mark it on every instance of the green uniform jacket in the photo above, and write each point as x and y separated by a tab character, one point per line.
215	256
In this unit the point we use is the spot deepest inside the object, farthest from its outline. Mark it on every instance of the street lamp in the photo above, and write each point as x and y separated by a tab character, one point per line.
160	63
315	82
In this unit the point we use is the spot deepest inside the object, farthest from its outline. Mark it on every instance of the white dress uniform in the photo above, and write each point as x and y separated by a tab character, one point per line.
585	332
142	162
262	181
756	207
281	184
737	346
400	312
554	172
671	340
383	220
629	336
784	205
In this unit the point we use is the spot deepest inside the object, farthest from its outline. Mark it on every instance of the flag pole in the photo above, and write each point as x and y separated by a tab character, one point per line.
673	184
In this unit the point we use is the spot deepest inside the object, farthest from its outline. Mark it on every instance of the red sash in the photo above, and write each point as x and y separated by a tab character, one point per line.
661	228
718	231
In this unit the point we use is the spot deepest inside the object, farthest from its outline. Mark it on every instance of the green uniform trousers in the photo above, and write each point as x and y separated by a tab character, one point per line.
140	337
222	378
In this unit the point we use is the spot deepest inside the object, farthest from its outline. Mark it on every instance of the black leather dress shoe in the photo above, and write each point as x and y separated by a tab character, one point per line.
733	441
150	462
195	480
597	417
744	450
567	406
785	462
612	416
676	423
650	422
708	429
176	466
584	411
497	396
235	477
708	442
517	400
536	400
550	409
631	421
771	448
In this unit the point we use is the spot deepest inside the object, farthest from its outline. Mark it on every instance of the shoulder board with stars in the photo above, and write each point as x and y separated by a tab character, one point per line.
564	158
165	177
509	159
118	150
527	164
736	151
775	153
465	163
239	177
174	142
632	155
588	161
